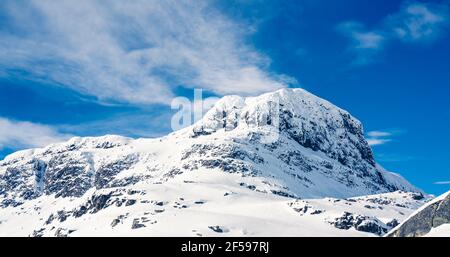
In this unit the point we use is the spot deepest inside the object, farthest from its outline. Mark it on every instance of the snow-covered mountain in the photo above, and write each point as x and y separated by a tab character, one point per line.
248	162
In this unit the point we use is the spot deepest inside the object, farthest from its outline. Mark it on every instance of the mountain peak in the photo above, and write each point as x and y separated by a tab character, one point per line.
294	113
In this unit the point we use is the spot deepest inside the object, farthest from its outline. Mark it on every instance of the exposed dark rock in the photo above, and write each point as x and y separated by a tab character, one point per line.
106	173
62	216
136	224
118	220
115	222
417	196
251	187
130	202
38	233
67	177
10	202
63	232
393	223
50	219
282	193
80	211
218	229
99	202
344	222
95	203
315	212
159	203
15	186
360	223
298	160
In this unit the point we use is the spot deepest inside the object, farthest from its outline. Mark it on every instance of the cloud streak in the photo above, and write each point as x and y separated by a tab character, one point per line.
377	141
364	44
379	134
442	183
378	137
413	23
19	134
131	51
419	22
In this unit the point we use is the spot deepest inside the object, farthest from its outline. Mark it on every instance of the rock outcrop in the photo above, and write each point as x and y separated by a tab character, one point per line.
432	215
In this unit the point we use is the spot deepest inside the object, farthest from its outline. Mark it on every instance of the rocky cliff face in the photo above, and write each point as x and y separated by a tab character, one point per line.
420	223
293	120
298	115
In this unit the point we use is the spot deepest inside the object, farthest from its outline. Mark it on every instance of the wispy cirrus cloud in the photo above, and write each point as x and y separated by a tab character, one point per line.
381	137
442	183
20	134
15	134
378	137
379	134
377	141
364	43
414	23
131	51
154	123
419	22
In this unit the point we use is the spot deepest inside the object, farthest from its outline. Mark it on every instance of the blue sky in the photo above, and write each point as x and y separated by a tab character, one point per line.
87	68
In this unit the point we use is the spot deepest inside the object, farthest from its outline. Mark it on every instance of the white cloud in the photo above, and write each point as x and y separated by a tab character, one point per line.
361	38
442	183
19	134
419	22
379	134
132	51
126	124
378	137
368	40
377	141
364	43
415	22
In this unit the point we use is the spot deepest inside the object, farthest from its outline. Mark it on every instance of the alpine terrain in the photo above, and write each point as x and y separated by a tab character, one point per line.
285	163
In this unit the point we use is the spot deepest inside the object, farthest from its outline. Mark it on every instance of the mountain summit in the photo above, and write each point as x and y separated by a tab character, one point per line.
287	144
302	136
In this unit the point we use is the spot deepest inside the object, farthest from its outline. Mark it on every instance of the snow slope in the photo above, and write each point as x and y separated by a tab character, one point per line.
205	205
262	151
441	231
